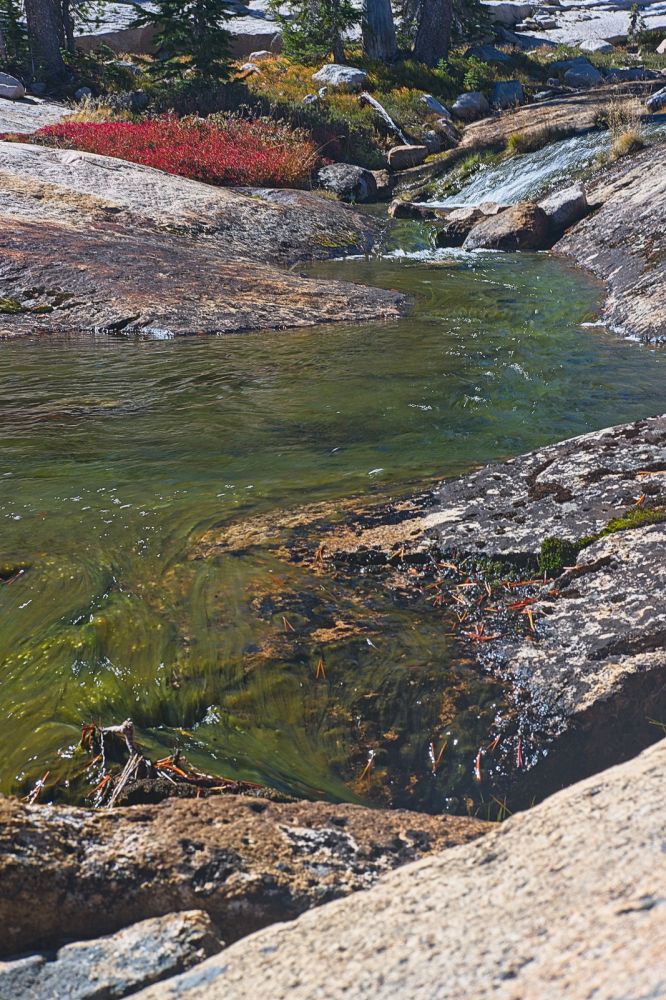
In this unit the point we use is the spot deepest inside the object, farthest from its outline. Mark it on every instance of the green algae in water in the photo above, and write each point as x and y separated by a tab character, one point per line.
105	504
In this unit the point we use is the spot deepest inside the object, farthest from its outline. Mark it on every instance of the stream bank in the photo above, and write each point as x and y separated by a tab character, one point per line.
115	241
586	682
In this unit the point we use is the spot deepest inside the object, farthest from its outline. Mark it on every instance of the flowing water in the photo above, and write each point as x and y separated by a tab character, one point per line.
116	456
531	175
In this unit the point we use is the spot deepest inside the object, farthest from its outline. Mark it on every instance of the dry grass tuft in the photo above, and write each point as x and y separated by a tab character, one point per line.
627	142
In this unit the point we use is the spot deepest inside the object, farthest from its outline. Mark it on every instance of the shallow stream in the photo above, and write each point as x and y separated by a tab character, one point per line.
116	456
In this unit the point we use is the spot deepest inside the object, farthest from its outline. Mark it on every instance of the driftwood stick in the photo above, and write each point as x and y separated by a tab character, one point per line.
126	730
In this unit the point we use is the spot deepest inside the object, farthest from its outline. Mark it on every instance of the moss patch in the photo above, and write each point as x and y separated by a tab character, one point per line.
558	553
10	306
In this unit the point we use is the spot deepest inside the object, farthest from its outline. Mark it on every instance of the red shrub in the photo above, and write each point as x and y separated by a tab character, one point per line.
228	150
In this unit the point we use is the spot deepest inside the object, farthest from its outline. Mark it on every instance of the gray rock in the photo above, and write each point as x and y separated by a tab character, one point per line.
82	94
562	65
564	208
117	965
384	182
527	43
596	45
506	510
488	53
348	182
404	157
310	98
28	116
629	74
507	94
433	104
583	76
333	75
261	56
661	48
447	131
520	227
11	88
470	106
38	88
565	900
432	140
249	69
507	12
657	101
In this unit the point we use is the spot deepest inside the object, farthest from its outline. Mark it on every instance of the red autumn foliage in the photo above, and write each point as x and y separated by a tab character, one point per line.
225	150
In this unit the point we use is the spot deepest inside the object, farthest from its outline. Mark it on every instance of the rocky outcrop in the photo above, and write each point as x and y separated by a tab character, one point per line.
624	244
571	490
30	114
567	900
116	965
89	243
584	672
72	873
565	114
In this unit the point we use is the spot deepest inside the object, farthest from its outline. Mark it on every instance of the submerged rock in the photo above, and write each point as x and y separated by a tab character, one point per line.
587	676
520	227
72	873
557	902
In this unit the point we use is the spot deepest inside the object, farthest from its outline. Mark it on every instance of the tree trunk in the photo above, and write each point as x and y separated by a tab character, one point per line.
434	34
45	31
337	43
379	30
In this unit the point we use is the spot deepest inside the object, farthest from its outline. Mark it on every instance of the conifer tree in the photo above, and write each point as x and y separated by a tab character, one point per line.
191	37
315	29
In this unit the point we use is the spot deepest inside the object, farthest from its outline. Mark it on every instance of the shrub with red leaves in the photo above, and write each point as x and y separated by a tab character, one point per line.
227	150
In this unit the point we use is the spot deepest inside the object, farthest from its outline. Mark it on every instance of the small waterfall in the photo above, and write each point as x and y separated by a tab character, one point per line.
366	98
531	175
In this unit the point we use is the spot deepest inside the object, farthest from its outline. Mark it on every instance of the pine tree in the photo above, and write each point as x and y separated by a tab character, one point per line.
315	29
433	37
14	51
191	37
379	40
46	36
